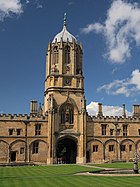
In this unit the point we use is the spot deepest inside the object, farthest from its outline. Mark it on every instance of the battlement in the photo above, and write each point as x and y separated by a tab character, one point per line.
23	117
114	119
123	118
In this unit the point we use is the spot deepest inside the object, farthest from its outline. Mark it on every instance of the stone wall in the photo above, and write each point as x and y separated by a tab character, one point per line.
17	146
120	141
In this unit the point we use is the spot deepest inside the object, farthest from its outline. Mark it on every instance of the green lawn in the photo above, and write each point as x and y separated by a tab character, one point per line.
122	165
59	176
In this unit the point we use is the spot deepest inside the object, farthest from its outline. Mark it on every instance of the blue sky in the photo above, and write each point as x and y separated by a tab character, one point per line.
109	31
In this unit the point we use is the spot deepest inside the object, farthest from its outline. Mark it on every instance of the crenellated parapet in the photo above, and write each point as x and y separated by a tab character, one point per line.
23	117
115	119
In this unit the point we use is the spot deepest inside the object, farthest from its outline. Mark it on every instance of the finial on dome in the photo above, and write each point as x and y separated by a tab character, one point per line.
65	18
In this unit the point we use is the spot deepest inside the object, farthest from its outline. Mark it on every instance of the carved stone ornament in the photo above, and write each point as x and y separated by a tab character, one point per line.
67	68
66	126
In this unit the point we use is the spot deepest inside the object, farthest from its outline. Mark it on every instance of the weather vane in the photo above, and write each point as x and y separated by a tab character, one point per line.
65	18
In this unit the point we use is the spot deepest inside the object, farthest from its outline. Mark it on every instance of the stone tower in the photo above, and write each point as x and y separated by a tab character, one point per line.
64	100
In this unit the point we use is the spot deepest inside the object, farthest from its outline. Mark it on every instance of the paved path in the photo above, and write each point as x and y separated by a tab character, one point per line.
90	166
110	174
106	174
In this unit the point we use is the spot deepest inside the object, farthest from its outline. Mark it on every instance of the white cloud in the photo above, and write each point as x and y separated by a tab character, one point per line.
27	1
97	27
70	3
121	28
38	4
128	87
9	7
92	109
114	70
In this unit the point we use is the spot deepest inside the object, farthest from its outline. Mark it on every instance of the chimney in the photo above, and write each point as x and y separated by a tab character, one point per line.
40	111
33	107
124	113
136	110
100	113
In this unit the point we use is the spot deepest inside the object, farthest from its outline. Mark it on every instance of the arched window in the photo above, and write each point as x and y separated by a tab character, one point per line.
55	55
35	147
77	56
67	54
66	114
78	62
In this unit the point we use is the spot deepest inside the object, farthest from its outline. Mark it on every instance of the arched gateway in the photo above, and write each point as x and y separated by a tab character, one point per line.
66	151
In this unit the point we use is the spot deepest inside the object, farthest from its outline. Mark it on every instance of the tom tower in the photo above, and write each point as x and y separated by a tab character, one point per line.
64	100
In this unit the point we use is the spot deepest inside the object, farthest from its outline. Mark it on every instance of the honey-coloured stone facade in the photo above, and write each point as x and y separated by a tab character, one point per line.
61	131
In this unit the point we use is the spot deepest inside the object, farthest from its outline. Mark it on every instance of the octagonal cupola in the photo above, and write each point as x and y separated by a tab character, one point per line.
64	34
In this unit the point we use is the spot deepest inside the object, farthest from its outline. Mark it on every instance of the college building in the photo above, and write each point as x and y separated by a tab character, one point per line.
60	130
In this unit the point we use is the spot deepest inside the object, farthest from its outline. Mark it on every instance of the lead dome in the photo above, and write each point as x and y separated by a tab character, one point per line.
64	34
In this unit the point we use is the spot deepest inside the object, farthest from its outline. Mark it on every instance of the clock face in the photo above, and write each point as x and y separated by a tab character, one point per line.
67	81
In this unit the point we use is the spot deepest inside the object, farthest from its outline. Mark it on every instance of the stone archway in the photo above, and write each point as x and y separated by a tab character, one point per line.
17	151
66	151
4	152
38	150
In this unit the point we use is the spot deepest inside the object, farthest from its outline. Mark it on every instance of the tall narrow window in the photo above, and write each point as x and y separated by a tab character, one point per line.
67	55
104	129
130	147
122	147
66	114
124	130
118	131
37	129
63	116
111	148
111	131
18	132
21	150
35	147
11	131
55	55
77	62
95	148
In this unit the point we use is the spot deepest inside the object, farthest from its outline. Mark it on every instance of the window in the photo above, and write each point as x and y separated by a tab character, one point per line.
67	54
66	114
124	130
104	129
77	56
21	150
139	131
130	147
37	129
55	55
122	147
118	131
35	147
11	131
111	131
18	132
78	63
95	148
111	148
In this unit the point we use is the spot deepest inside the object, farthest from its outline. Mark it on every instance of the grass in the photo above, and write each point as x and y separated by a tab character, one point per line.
122	165
59	176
